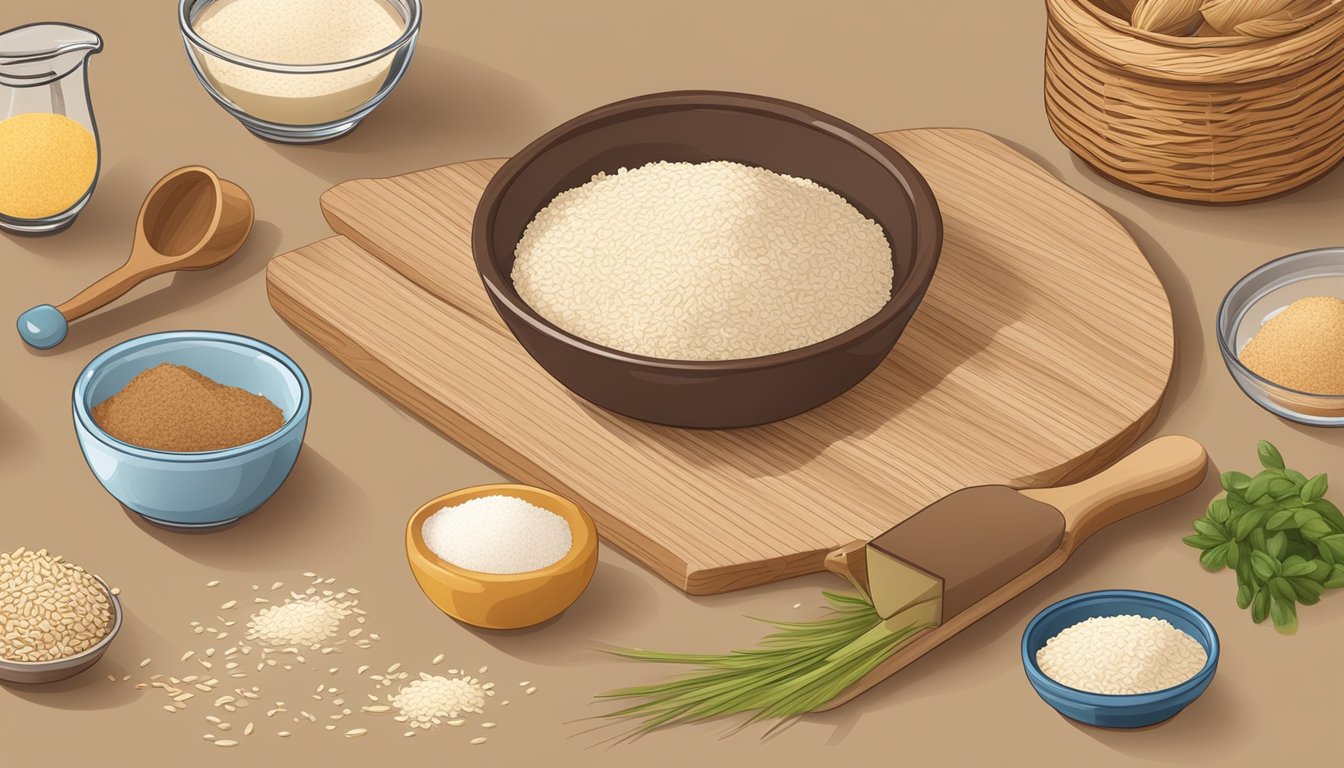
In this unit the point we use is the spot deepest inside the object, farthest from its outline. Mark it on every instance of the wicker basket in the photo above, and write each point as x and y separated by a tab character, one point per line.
1213	120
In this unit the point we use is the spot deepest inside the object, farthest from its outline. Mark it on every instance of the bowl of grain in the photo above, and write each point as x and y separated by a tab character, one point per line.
707	259
501	556
1120	658
191	429
58	619
299	71
1280	330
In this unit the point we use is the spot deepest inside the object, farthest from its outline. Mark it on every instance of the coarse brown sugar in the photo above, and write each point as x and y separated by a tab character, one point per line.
1301	347
175	408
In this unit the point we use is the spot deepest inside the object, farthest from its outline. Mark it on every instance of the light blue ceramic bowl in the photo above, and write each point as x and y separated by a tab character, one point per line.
1122	711
209	488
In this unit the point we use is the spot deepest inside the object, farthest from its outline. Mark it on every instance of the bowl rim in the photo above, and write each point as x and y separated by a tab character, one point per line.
1046	684
582	529
93	651
1231	357
927	225
190	35
85	419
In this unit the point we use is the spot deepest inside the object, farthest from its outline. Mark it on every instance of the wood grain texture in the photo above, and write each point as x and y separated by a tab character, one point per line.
1039	354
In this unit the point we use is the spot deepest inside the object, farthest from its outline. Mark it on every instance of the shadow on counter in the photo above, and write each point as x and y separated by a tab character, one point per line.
485	113
617	602
318	507
16	434
1281	225
90	689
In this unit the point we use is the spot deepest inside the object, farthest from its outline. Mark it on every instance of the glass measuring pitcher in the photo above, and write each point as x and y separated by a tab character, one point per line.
49	150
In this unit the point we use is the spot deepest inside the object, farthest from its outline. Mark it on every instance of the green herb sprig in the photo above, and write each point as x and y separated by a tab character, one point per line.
795	670
1280	535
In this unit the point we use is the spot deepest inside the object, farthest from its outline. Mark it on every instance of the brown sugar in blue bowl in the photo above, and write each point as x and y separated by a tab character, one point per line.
701	126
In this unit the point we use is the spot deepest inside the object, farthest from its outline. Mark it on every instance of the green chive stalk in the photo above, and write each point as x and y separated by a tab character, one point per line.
795	670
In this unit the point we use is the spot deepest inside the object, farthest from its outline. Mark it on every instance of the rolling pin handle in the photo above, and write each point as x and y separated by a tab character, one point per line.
1155	473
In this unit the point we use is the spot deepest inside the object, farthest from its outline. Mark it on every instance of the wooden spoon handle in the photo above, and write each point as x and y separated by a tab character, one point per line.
110	286
1159	471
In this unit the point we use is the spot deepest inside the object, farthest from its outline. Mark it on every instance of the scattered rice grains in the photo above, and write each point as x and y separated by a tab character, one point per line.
312	619
305	621
1121	655
432	699
50	609
703	261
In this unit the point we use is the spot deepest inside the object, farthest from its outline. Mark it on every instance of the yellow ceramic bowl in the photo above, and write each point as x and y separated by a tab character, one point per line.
504	601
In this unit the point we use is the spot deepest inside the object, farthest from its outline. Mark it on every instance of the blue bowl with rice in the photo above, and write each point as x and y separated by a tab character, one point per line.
202	489
1118	710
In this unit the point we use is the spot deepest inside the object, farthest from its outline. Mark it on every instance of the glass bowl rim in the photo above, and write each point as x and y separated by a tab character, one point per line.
190	34
84	417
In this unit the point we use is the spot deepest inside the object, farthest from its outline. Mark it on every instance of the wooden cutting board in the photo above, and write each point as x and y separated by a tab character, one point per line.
1040	354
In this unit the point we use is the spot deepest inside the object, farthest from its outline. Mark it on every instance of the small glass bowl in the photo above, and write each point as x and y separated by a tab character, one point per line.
1259	296
197	490
299	103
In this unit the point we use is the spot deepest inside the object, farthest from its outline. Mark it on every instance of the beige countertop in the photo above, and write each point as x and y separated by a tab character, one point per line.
486	78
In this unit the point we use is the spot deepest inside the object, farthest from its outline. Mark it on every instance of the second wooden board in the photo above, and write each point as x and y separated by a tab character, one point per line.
1039	354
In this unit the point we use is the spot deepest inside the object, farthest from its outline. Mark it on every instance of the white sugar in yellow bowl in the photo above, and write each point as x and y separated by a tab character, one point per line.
504	600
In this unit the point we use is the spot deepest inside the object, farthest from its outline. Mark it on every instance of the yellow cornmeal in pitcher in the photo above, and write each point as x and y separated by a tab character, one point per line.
47	163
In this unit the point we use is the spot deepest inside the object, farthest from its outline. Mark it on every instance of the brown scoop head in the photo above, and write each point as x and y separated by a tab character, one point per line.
192	219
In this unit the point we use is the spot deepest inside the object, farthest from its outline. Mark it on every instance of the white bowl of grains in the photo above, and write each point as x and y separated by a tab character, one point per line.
1120	658
57	618
707	259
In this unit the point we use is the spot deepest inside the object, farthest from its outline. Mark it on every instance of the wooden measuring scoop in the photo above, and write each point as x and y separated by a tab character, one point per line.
191	219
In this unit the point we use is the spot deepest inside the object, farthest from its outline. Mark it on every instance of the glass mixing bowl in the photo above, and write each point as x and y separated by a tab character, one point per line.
1255	299
299	103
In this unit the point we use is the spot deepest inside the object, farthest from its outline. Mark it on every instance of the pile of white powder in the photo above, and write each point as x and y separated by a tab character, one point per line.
498	534
1121	655
703	261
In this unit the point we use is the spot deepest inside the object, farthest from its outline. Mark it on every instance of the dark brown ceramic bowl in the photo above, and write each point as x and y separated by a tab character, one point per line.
698	126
